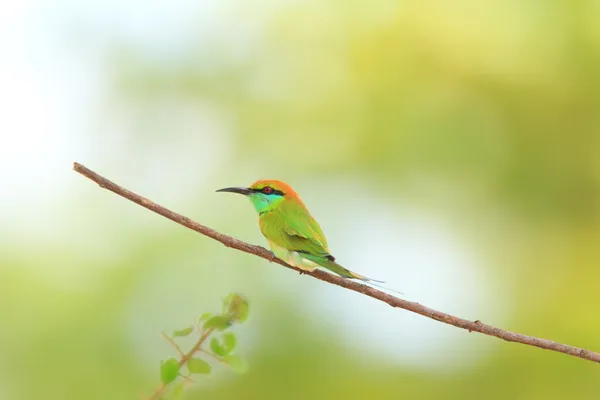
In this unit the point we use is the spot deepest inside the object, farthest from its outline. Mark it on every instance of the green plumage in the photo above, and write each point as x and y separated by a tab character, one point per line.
293	234
290	228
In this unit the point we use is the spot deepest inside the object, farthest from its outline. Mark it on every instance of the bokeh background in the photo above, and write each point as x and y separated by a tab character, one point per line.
450	148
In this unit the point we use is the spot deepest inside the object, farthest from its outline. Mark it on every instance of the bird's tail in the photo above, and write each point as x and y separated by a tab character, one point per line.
353	275
344	272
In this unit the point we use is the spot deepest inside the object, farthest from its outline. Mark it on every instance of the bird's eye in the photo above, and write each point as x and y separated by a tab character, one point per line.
267	190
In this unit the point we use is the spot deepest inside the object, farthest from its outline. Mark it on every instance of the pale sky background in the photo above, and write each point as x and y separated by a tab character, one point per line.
55	90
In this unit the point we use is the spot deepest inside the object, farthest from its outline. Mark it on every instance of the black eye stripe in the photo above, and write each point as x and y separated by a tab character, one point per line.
277	192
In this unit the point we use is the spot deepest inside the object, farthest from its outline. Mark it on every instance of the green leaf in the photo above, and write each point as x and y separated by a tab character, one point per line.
217	347
236	363
205	316
242	312
217	322
229	342
236	305
198	366
169	370
178	391
183	332
227	302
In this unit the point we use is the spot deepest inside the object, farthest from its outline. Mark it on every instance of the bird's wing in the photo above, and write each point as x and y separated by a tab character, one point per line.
304	235
295	229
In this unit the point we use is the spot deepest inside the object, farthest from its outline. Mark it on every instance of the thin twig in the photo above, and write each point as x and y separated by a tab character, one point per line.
172	343
208	353
158	392
190	354
187	378
228	241
183	359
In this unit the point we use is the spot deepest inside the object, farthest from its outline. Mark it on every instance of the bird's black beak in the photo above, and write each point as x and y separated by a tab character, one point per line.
240	190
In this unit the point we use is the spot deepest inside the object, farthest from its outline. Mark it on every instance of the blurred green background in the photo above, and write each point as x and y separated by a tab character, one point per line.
450	148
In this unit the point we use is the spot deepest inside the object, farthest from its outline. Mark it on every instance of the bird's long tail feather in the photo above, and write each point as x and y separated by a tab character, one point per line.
346	273
368	281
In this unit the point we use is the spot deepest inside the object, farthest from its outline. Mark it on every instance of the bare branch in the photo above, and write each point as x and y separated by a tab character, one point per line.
471	326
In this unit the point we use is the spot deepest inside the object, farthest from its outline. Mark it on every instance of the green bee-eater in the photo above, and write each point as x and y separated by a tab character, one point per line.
293	234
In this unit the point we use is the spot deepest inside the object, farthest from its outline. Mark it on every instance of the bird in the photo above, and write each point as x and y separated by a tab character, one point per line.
292	233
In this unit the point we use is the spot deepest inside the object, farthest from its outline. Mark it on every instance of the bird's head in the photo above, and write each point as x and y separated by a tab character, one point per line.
266	194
